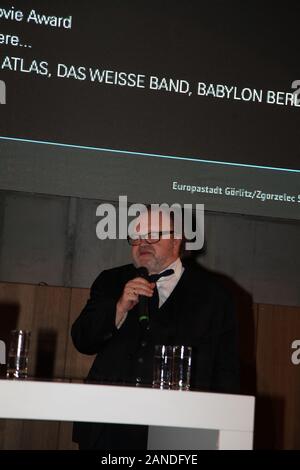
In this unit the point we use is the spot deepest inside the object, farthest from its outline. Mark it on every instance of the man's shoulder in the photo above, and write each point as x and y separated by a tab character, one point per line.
120	273
198	277
196	272
124	269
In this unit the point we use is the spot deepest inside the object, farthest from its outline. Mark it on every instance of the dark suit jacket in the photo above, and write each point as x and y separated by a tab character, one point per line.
198	313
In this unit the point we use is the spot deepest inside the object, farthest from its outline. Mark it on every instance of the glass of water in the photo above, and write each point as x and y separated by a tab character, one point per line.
17	363
181	370
162	366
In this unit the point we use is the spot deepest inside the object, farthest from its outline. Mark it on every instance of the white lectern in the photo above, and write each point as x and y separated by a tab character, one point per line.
166	411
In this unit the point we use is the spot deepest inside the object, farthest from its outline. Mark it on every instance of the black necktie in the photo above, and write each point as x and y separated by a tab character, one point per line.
154	300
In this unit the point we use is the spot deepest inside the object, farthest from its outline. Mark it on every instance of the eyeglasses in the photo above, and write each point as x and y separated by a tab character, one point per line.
151	238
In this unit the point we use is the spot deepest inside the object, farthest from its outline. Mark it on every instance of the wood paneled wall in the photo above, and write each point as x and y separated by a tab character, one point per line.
266	335
48	312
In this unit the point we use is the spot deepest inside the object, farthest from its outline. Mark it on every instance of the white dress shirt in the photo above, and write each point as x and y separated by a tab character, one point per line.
165	285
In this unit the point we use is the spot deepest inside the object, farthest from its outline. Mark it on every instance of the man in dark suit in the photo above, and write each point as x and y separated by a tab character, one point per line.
191	308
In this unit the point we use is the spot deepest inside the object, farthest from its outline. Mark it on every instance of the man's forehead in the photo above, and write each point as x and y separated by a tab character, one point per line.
152	221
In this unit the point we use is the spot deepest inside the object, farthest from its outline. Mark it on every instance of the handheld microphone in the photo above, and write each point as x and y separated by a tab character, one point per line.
143	301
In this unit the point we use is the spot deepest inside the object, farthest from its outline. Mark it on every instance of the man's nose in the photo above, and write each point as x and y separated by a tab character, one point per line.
144	242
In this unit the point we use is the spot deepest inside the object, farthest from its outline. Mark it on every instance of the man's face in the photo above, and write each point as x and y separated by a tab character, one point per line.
155	256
